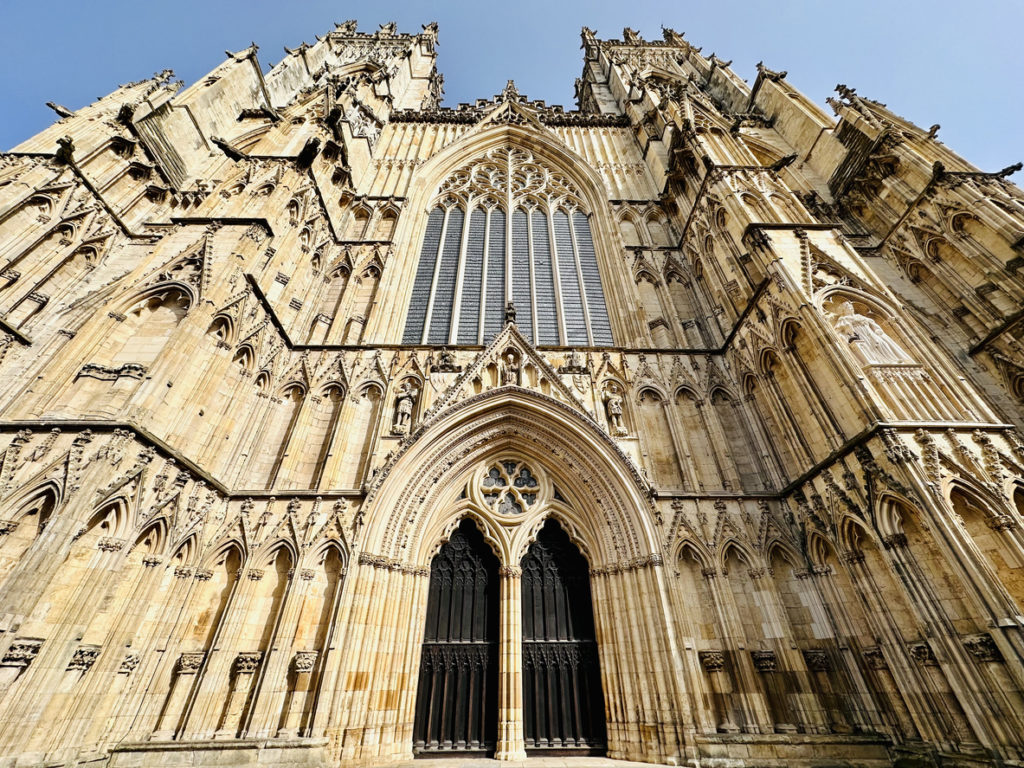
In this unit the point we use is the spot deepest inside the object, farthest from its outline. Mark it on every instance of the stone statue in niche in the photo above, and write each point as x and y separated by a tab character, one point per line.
510	370
573	364
446	362
405	401
868	338
613	406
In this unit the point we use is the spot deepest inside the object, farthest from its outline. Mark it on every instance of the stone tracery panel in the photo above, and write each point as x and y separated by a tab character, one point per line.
526	239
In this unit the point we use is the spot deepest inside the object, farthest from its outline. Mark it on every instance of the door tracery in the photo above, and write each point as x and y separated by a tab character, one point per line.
456	708
562	696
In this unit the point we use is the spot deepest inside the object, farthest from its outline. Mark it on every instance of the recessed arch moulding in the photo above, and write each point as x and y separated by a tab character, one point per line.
582	482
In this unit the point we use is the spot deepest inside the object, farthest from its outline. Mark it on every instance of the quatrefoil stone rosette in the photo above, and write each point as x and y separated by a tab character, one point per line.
510	488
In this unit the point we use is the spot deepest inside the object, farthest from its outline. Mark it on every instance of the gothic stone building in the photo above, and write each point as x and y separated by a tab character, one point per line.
339	426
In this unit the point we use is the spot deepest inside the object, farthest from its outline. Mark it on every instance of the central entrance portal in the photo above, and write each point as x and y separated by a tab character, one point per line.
562	700
457	699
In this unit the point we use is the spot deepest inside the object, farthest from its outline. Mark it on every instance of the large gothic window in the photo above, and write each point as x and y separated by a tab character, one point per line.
540	256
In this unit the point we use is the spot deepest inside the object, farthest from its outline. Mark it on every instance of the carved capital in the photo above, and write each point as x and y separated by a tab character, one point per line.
713	661
129	663
921	652
852	557
874	658
983	648
896	541
21	652
84	657
817	660
764	661
304	661
109	544
189	663
247	663
999	522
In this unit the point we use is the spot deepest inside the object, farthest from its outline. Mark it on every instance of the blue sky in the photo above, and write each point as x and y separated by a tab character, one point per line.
954	63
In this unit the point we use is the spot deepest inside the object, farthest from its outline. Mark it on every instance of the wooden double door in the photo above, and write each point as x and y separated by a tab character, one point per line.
457	697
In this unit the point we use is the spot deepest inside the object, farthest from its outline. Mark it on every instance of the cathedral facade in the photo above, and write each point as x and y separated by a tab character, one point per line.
339	426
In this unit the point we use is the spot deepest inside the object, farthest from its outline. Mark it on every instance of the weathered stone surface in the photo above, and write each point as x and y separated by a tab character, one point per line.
267	340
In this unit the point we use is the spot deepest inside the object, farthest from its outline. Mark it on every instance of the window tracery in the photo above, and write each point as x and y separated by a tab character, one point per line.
510	487
505	228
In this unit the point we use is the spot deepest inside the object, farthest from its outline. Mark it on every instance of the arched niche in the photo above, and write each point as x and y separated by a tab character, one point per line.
871	334
656	433
385	226
990	530
697	439
23	526
971	271
739	441
357	223
272	443
630	232
365	408
147	327
698	616
316	635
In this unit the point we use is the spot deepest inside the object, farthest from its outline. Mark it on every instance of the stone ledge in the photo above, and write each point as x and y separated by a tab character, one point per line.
281	753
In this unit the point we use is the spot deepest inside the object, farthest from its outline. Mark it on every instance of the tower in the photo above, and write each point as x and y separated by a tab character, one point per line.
341	426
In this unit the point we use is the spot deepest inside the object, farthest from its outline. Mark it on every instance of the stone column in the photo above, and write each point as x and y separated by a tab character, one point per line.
511	741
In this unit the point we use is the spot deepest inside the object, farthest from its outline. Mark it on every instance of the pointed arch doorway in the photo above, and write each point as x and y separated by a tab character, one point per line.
457	696
563	704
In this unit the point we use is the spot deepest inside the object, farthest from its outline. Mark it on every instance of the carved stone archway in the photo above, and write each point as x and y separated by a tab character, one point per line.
419	499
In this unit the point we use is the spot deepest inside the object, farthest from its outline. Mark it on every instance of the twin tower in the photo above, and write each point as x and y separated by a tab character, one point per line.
340	426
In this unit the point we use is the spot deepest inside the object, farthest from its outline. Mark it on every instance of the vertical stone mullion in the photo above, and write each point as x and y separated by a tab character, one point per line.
433	279
756	717
483	277
160	663
511	738
270	686
199	719
453	330
828	598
